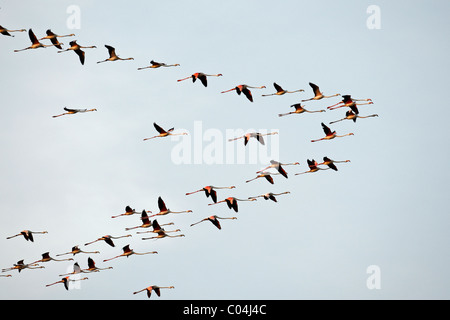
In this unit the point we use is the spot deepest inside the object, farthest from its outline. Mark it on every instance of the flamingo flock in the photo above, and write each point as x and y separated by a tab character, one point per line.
145	220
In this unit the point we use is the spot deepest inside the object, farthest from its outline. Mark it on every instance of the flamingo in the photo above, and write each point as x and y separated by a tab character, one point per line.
35	42
146	223
76	270
153	288
201	76
243	88
157	227
280	91
257	135
20	265
54	38
317	94
164	133
154	65
5	275
313	167
73	111
232	202
162	234
330	163
266	175
76	250
27	234
351	115
108	239
77	49
128	212
46	257
270	196
214	220
278	165
6	32
92	267
163	209
348	101
66	281
330	134
112	55
298	109
209	191
128	252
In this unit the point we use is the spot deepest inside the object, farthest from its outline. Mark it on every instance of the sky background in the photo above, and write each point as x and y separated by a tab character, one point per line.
388	207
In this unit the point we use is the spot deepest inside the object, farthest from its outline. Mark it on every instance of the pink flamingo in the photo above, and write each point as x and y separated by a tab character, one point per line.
77	49
243	88
209	191
298	109
112	55
128	212
54	38
258	136
6	32
313	167
280	91
128	252
66	281
232	202
163	210
153	288
270	196
164	133
278	166
154	65
348	101
201	76
214	220
317	94
330	134
27	234
331	163
35	42
108	239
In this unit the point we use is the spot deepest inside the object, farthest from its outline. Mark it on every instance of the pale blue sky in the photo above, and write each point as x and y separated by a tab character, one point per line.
69	175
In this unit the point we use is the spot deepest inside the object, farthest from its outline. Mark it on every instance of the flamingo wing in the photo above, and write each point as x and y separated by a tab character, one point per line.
326	129
278	87
260	139
158	128
161	204
111	50
215	222
81	55
247	93
315	88
32	37
203	79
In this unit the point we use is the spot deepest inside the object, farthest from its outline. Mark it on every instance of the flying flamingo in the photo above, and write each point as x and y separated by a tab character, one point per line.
77	49
128	252
162	234
278	165
330	134
317	94
35	42
27	234
298	109
108	239
6	32
243	88
280	91
330	163
350	115
257	135
313	167
66	281
5	275
232	202
54	38
112	55
76	270
146	223
153	288
163	209
209	191
269	196
201	76
92	267
128	212
348	101
157	227
76	250
214	220
73	111
154	65
266	175
46	258
164	133
20	265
